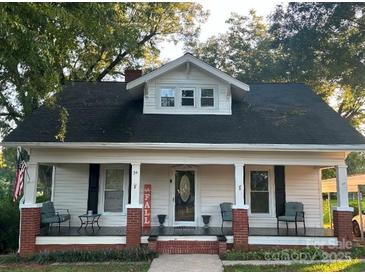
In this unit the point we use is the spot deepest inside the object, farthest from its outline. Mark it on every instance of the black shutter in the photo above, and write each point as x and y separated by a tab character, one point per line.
130	184
92	202
280	190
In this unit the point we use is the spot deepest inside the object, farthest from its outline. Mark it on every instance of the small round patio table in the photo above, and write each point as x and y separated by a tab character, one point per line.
89	219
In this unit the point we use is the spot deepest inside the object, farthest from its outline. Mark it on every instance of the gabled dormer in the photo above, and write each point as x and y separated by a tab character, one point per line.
187	85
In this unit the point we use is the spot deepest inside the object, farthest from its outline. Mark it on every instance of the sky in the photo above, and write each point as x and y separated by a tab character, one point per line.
220	10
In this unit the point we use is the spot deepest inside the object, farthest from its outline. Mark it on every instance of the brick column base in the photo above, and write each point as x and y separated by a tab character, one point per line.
152	243
240	228
342	224
30	221
134	227
222	247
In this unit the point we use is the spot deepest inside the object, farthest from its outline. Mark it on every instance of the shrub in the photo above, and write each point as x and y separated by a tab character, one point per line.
9	213
120	255
276	254
9	221
358	252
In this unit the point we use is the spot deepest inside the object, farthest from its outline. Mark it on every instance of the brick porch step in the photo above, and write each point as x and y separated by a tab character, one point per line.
188	245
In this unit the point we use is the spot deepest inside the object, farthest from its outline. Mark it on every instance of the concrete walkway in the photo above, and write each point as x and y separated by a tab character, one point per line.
186	263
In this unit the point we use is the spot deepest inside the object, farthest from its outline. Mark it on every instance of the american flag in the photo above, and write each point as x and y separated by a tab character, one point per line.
21	168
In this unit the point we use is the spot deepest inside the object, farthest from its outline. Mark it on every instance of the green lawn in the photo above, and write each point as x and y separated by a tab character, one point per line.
348	266
352	203
71	267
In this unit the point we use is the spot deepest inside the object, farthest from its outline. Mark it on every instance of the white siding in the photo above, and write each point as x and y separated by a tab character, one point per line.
71	189
302	184
215	185
159	177
178	78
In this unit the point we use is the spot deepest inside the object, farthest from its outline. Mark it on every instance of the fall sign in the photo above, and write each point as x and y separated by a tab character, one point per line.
147	205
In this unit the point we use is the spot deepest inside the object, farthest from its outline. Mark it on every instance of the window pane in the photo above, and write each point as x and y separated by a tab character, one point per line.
259	181
207	92
187	93
187	102
167	97
113	201
207	102
167	102
44	185
167	92
259	202
114	179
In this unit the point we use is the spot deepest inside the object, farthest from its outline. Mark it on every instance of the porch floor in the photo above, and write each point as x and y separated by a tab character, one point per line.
184	231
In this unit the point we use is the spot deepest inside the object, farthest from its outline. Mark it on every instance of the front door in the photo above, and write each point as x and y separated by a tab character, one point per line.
184	197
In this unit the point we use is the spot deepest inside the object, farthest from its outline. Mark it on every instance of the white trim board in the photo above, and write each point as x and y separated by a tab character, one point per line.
190	146
187	238
187	58
79	240
292	240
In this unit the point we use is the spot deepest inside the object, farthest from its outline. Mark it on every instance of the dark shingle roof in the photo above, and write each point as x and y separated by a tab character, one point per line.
268	114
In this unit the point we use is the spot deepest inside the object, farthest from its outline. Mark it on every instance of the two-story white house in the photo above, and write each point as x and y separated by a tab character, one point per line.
179	142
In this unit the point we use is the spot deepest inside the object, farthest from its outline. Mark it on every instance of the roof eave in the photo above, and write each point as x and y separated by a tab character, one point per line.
191	146
181	60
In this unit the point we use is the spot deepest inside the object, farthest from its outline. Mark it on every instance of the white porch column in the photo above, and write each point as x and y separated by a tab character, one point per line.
239	186
136	182
342	192
30	184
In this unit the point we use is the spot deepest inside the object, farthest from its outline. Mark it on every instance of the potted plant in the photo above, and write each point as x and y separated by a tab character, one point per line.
161	218
206	219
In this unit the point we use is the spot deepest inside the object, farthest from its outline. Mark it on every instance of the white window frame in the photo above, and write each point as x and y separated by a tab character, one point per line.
160	97
102	179
214	97
194	96
53	178
271	188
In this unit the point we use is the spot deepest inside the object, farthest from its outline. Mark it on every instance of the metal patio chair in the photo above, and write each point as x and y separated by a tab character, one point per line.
226	212
294	213
50	216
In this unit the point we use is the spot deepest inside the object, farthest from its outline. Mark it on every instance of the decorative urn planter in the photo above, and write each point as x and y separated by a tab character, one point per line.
206	219
161	219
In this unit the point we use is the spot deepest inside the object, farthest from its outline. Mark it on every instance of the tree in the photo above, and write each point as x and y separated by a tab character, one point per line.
324	46
44	44
321	44
245	51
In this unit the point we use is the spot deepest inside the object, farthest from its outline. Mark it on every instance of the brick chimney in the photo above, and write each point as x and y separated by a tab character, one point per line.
132	74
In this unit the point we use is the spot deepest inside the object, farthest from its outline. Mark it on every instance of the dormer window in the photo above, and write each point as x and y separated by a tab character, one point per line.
167	97
187	97
207	97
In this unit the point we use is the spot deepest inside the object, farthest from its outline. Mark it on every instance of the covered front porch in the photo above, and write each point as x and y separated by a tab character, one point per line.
184	189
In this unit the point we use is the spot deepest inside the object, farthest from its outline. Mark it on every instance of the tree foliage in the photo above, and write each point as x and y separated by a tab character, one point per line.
321	44
44	44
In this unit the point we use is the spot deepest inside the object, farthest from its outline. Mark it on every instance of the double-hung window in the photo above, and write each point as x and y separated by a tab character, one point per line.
114	190
259	191
187	97
167	97
207	97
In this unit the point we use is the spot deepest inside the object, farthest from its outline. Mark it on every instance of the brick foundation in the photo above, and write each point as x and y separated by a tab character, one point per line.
188	247
240	228
134	227
29	229
342	224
